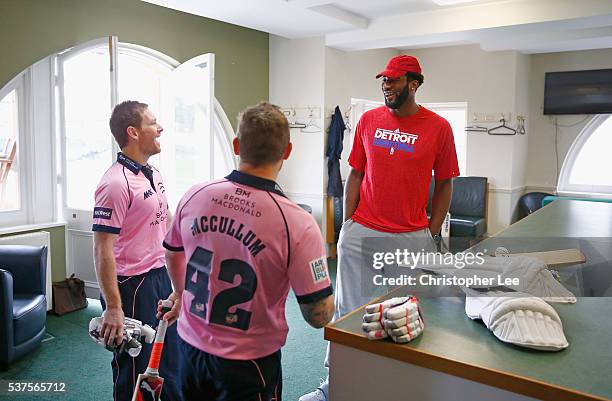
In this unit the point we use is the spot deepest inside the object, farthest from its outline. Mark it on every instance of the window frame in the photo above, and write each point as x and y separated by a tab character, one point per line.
220	118
564	187
21	83
59	113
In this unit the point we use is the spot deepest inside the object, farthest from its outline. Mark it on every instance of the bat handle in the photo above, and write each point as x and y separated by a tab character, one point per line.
161	328
158	345
166	306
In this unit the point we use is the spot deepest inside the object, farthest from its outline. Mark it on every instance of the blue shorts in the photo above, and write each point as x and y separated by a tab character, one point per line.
139	296
204	376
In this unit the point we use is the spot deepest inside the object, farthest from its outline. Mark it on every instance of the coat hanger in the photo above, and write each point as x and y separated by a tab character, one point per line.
499	130
476	128
297	125
347	118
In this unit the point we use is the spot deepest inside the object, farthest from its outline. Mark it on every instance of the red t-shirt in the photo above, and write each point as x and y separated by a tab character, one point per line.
397	156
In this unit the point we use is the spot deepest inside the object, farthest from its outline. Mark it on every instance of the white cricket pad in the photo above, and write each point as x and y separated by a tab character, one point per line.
534	277
520	319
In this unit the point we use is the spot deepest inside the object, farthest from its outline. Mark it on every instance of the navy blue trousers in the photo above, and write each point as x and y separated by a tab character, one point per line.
206	377
139	296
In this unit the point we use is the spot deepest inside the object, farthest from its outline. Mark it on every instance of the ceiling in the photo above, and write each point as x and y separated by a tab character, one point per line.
528	26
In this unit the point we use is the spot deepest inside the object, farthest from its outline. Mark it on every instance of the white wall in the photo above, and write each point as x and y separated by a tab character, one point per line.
541	170
297	76
486	81
352	75
306	73
491	83
521	142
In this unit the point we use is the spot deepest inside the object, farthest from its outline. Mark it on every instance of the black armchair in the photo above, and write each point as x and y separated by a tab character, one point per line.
468	207
530	202
23	306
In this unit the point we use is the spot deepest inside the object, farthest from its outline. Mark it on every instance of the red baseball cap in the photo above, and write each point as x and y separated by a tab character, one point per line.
400	65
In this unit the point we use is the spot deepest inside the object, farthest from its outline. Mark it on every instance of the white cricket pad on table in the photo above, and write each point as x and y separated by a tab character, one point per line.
519	319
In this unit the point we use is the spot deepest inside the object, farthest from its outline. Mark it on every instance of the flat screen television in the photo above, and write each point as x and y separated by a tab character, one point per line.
578	92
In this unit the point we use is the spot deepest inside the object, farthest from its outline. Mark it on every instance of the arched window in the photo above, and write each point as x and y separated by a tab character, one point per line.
86	94
196	142
587	167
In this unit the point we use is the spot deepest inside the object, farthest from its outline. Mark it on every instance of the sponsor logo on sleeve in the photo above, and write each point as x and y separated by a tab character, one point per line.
319	269
102	213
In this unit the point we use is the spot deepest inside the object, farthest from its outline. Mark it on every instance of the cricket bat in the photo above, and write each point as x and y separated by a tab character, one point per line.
149	384
556	259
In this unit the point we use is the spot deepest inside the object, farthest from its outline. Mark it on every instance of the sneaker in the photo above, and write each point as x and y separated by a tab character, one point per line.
320	394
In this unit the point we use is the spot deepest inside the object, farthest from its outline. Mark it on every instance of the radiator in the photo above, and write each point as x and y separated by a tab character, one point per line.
38	238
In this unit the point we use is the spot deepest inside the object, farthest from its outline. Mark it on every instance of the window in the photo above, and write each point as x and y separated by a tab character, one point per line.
88	145
587	166
9	166
13	190
86	90
141	76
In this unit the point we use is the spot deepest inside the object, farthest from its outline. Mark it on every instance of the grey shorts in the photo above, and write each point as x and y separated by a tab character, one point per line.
356	245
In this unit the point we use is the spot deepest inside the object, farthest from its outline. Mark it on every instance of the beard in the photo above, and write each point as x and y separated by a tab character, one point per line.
399	100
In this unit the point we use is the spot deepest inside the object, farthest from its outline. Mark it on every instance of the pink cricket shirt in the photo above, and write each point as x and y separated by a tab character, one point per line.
245	244
133	206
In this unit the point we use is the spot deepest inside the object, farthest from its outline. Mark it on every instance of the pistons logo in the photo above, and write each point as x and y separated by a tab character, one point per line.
395	140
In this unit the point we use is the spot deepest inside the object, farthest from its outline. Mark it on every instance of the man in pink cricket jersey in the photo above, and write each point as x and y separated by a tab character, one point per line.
130	221
235	247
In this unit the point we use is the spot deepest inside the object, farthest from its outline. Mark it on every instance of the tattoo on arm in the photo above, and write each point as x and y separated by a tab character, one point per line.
319	313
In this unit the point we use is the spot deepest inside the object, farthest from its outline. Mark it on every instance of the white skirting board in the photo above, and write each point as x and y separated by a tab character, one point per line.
38	238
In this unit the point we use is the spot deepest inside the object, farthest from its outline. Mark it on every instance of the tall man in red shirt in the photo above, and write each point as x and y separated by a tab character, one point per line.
396	147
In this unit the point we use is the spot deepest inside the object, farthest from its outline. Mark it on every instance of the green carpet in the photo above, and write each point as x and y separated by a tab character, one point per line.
68	355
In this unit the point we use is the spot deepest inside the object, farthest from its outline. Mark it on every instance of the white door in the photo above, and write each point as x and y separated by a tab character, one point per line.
187	155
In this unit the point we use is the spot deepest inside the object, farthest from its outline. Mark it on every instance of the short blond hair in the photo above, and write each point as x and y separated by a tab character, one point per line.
263	132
